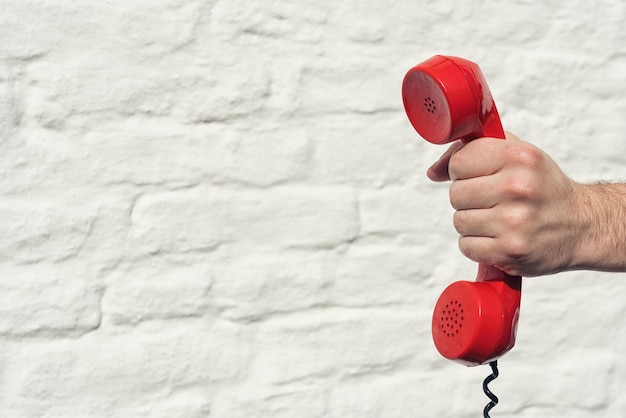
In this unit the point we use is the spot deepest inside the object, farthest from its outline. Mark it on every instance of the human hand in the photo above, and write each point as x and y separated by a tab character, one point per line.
515	208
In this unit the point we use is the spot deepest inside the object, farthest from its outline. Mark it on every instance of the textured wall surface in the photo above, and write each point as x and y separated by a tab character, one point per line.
219	209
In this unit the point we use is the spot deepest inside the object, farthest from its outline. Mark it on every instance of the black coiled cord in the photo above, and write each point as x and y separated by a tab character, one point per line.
494	398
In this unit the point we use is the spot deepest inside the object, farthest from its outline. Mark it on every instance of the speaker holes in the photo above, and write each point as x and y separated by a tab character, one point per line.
452	318
429	104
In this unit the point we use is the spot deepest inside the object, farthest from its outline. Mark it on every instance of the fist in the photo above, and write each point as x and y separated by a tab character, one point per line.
515	209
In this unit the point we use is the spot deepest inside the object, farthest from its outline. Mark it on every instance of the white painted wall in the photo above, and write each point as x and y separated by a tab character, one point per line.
220	209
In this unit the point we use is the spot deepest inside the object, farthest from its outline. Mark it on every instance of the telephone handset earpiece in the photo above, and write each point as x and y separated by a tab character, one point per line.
446	99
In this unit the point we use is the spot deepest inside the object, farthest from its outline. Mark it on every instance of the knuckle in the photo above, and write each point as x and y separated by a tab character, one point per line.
521	188
516	220
454	159
515	249
457	221
524	154
465	249
455	195
511	269
455	164
470	251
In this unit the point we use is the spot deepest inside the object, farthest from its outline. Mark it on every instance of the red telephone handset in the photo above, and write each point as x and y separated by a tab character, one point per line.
447	98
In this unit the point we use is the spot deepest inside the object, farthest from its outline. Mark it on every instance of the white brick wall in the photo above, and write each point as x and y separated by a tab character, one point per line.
220	209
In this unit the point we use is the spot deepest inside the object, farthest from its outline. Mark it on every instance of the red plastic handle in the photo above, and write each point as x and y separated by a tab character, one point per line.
446	99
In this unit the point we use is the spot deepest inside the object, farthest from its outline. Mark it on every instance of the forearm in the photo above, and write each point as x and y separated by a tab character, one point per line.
602	216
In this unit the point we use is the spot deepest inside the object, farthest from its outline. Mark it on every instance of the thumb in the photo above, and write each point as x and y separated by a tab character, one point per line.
439	170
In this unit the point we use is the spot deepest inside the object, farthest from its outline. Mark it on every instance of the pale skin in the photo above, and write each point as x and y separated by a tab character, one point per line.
516	210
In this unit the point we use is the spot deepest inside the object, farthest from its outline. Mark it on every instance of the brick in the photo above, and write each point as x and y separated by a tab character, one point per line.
9	106
78	91
161	153
257	287
333	342
125	26
253	400
38	229
370	276
202	219
48	300
105	375
233	88
173	154
39	165
366	276
302	23
192	403
150	291
357	150
106	244
407	214
409	393
540	388
365	85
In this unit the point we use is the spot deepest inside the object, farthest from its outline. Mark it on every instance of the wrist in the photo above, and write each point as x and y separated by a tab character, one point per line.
600	227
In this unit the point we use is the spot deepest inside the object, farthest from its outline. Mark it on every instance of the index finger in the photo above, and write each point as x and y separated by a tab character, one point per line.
480	157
